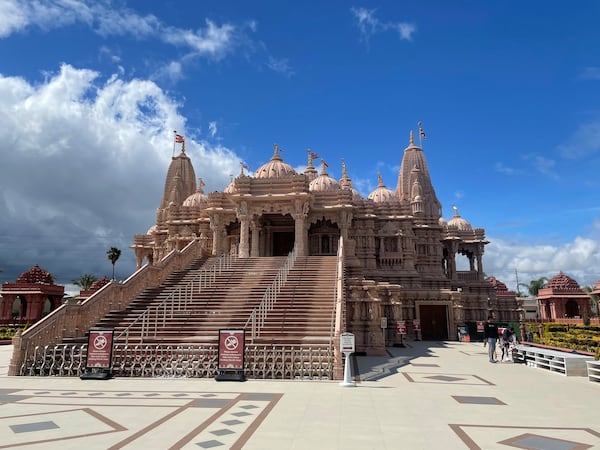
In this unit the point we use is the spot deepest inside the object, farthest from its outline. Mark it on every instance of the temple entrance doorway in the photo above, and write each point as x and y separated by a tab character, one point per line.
278	234
283	243
434	322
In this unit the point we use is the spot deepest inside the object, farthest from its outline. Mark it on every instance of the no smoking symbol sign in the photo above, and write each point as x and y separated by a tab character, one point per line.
100	342
231	343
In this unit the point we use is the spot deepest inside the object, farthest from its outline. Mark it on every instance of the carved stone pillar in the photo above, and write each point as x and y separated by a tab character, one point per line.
480	262
255	228
244	237
215	226
300	234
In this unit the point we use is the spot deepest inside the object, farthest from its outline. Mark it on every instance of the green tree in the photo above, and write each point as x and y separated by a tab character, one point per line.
84	281
594	298
113	255
534	286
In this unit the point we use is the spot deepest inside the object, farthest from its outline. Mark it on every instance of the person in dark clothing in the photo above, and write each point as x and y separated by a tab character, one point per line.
490	337
507	337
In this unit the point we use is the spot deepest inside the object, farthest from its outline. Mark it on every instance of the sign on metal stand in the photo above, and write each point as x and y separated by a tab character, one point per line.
347	348
232	346
98	365
401	331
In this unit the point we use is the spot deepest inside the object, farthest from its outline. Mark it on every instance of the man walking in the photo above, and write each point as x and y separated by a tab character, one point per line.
490	336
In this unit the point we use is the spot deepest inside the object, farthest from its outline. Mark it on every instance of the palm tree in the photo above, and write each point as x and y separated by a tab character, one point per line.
534	286
113	255
85	281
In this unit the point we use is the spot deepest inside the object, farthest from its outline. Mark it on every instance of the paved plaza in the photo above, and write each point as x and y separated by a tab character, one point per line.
430	395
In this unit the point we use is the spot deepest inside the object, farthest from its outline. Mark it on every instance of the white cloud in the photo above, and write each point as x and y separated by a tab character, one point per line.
369	24
580	259
107	20
83	165
212	129
585	141
280	65
500	167
406	30
173	71
591	73
543	165
213	40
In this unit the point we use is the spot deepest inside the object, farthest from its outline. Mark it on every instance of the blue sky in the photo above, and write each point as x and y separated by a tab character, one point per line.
91	91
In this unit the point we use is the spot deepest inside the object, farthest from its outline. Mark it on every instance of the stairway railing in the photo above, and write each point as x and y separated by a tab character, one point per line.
178	299
337	311
258	315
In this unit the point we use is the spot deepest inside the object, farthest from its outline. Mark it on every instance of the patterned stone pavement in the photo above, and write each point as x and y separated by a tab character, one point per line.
426	396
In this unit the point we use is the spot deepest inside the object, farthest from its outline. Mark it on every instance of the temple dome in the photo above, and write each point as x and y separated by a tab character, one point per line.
198	198
153	229
563	282
382	194
36	275
275	168
443	222
458	222
324	183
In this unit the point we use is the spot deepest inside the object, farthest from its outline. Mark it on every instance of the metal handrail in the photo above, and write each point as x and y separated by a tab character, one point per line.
338	295
179	298
259	314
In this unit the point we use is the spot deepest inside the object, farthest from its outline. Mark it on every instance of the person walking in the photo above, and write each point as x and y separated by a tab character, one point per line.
490	337
505	340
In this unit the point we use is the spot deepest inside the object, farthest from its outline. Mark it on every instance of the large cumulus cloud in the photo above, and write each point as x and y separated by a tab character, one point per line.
83	168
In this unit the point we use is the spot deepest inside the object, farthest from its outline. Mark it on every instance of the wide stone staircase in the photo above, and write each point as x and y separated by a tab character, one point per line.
179	312
303	312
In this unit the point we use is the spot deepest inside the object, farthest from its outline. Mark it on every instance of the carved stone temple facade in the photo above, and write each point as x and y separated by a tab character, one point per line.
399	253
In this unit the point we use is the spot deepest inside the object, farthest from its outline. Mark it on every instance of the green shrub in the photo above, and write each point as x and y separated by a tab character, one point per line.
574	337
9	332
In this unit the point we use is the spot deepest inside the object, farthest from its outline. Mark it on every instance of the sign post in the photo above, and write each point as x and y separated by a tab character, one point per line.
401	330
232	346
417	328
347	348
383	324
98	365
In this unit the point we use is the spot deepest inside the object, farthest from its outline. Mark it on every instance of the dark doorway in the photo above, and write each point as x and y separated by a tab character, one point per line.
572	308
434	322
283	243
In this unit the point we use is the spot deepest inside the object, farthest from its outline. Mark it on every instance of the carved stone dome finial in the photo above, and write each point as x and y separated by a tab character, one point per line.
381	194
275	168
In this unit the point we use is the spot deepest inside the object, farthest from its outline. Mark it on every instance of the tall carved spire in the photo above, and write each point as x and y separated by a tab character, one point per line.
414	168
180	181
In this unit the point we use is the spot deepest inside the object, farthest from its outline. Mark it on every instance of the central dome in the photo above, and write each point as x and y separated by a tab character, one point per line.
323	183
275	168
382	194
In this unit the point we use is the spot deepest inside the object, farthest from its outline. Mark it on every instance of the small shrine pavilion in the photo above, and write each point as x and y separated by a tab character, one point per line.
30	298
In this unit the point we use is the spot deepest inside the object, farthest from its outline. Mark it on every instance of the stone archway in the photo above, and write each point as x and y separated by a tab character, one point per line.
572	308
19	307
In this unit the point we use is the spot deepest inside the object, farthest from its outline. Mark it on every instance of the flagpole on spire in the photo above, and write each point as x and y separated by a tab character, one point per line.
174	139
422	134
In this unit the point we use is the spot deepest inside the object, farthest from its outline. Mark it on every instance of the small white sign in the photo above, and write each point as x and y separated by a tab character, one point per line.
383	322
347	343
